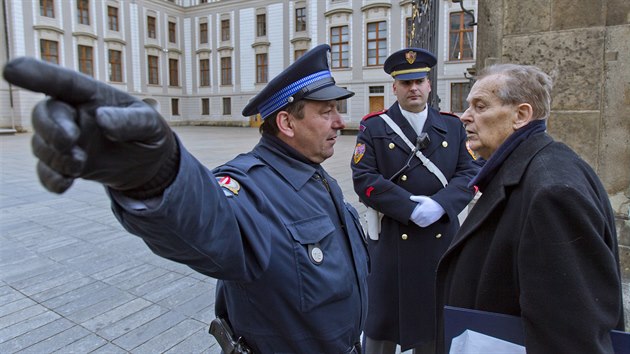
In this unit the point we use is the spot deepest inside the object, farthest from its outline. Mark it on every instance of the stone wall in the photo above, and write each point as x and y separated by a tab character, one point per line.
584	45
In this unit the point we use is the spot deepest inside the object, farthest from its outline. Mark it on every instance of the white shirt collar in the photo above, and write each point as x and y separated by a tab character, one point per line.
416	120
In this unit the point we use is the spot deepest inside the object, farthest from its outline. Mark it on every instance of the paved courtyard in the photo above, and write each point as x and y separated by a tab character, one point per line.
73	281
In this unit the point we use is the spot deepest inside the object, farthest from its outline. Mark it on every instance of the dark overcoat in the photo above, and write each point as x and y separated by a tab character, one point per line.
276	230
401	283
540	243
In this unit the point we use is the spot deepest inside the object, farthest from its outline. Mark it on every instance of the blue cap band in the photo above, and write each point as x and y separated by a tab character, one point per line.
280	99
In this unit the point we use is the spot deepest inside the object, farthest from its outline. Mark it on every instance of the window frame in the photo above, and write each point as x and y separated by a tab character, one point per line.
173	72
115	65
204	72
47	8
151	27
262	68
300	19
203	33
226	106
459	93
83	12
175	106
298	53
226	71
85	55
46	52
342	105
112	18
172	32
205	106
337	47
153	70
225	30
464	35
261	25
379	59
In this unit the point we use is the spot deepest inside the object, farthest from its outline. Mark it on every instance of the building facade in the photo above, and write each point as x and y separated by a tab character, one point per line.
200	61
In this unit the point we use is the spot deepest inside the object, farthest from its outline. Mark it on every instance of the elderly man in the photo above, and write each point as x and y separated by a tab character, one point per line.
271	223
540	243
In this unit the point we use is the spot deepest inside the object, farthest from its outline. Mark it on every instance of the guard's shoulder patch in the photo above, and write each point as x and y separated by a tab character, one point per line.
450	114
472	153
359	151
229	185
373	114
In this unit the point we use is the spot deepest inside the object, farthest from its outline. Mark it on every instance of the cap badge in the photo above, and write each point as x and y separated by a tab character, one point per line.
410	56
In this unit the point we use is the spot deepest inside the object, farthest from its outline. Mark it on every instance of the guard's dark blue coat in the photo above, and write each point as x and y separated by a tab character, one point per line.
256	238
401	285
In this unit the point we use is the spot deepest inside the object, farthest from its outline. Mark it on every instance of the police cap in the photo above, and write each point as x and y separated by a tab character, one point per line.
309	77
409	64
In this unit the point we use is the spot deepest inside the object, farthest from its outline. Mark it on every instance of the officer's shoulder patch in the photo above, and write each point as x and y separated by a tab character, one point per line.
450	114
373	114
229	185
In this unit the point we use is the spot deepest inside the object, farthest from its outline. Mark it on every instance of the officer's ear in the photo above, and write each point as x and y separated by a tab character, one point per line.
284	121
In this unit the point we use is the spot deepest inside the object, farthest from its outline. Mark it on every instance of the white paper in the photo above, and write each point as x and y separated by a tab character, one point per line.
471	342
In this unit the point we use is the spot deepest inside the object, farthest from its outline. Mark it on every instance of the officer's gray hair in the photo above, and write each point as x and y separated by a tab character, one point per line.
522	84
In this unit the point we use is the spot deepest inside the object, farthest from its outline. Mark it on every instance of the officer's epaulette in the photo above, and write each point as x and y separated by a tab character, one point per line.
450	114
373	114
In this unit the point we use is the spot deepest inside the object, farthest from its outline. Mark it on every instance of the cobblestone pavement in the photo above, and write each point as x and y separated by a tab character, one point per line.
73	281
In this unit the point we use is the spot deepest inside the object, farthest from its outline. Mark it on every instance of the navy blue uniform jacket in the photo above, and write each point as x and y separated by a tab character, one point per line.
257	234
540	243
401	285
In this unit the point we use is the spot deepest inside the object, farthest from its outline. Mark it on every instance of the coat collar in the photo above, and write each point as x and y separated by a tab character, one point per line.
284	160
510	174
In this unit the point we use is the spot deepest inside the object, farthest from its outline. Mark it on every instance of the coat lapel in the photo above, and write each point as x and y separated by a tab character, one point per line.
437	130
509	174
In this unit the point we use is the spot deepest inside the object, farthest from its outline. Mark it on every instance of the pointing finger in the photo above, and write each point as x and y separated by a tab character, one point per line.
55	122
56	81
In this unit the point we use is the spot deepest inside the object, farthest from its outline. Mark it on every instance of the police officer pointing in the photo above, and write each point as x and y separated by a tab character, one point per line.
271	224
411	168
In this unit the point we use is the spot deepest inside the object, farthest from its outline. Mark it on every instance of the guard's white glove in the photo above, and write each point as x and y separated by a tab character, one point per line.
426	212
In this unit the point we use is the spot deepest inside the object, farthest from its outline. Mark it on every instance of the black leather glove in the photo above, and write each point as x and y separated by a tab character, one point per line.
87	129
